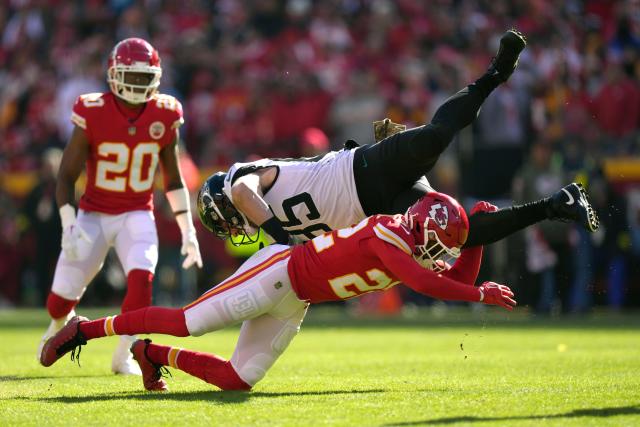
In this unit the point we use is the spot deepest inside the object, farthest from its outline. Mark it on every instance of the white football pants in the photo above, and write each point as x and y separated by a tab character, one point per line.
132	234
259	294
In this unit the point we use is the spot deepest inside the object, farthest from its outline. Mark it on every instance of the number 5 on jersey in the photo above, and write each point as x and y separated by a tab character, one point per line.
117	159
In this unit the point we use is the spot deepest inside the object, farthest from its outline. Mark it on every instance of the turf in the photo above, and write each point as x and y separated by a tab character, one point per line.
491	369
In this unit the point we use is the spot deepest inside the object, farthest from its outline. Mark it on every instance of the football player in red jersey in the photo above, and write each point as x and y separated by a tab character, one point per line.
120	136
271	291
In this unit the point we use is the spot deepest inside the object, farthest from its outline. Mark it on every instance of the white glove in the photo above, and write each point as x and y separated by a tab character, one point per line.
180	205
191	249
76	243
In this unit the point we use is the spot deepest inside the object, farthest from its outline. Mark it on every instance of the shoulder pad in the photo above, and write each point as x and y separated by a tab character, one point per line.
170	104
393	231
84	103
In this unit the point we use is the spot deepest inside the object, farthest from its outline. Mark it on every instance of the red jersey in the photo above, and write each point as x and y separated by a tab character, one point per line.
123	152
374	255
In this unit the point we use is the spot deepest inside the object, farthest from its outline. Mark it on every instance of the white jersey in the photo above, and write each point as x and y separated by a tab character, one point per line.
309	196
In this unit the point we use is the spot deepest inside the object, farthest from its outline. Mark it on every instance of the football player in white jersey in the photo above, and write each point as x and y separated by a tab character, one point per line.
294	199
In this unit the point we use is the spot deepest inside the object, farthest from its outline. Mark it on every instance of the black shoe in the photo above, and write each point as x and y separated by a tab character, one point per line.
572	204
506	60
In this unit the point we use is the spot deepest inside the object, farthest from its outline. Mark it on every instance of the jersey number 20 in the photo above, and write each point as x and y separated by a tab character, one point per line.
121	166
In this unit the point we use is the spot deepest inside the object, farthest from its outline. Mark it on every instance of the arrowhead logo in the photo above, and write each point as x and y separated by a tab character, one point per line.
440	215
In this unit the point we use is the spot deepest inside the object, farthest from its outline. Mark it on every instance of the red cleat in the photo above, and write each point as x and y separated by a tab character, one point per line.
151	372
66	340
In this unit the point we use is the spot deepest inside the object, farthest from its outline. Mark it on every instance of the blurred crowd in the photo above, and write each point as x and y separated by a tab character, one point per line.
288	78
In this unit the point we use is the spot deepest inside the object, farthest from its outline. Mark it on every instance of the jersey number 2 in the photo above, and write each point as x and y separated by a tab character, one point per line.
351	285
111	172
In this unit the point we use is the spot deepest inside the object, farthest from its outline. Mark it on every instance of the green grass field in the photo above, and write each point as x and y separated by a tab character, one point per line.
491	369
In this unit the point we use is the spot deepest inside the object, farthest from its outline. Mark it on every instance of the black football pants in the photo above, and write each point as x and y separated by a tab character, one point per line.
389	174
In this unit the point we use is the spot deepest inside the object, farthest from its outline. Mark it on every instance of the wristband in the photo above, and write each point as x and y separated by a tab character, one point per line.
273	227
181	207
179	200
67	215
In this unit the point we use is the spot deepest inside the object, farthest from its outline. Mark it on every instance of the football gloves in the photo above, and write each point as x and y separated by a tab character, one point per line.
76	243
495	294
483	207
385	128
191	249
181	207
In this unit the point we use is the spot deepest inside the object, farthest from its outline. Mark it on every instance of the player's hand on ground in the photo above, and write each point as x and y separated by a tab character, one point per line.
76	243
191	249
483	206
495	294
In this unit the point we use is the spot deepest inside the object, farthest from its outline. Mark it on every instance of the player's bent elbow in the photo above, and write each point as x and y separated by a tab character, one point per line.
240	192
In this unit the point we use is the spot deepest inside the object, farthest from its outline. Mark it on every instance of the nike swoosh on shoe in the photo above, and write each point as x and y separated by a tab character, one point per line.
571	200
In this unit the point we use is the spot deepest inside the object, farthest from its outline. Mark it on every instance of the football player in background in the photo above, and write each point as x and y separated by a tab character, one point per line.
303	198
120	136
271	291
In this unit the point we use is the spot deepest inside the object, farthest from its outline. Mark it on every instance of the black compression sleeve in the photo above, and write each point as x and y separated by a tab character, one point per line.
273	227
489	227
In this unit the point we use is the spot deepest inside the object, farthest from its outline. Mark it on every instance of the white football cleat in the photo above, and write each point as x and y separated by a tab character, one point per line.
54	327
123	362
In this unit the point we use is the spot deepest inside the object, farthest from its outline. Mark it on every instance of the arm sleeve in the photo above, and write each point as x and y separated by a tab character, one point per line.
467	267
421	280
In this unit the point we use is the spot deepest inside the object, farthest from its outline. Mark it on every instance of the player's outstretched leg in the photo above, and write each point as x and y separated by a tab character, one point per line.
208	367
160	320
570	203
151	372
506	60
428	142
68	339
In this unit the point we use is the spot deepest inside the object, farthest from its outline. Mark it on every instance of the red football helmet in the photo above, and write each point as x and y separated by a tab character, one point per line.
440	227
134	55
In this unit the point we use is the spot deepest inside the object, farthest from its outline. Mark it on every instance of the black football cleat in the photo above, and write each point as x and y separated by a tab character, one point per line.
66	340
151	372
571	203
506	60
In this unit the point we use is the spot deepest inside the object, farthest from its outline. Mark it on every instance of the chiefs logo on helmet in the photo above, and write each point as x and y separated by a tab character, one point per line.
440	215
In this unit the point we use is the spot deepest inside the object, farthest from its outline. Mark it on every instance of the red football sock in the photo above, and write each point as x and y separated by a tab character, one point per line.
208	367
138	290
59	307
148	320
158	354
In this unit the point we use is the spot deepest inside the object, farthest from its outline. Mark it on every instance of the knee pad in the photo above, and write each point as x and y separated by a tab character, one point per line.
141	256
69	282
